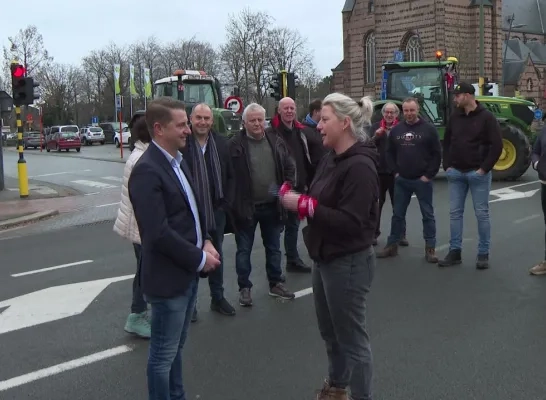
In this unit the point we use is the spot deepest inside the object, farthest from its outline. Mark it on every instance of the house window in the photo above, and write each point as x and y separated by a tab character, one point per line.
413	49
370	58
371	6
529	84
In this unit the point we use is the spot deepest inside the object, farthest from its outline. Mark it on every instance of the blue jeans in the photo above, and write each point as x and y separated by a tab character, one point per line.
216	277
267	215
403	190
291	230
480	186
170	321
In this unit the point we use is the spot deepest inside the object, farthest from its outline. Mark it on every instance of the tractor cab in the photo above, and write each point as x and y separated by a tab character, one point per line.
194	87
426	81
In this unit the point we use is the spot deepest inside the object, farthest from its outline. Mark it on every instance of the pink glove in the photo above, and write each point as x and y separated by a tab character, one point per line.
285	188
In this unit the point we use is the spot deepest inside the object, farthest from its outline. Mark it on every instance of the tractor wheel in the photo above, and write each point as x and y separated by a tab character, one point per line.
516	154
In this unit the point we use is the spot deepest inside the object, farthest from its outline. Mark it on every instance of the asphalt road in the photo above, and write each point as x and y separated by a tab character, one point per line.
436	333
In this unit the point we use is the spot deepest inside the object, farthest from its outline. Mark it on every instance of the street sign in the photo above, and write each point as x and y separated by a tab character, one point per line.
29	118
398	56
51	304
538	113
95	120
118	102
234	104
6	102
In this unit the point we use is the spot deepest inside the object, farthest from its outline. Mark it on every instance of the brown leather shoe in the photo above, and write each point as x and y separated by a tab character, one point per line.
430	255
389	251
331	393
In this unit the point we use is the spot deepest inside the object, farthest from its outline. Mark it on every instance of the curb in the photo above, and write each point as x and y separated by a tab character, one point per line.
34	217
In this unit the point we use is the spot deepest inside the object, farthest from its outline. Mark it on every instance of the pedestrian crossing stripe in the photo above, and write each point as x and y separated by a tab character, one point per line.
94	184
113	178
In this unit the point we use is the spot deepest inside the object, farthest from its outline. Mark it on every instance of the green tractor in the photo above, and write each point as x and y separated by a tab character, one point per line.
426	81
193	87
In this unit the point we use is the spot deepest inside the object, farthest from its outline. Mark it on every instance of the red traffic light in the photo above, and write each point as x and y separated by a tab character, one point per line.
18	71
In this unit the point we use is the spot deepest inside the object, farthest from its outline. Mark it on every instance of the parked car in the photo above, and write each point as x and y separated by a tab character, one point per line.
63	141
110	129
126	135
32	139
92	134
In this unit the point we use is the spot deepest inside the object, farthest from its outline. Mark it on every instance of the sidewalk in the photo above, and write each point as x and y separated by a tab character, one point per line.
44	200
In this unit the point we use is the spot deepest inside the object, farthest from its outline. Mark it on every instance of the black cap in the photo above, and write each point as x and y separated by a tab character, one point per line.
464	87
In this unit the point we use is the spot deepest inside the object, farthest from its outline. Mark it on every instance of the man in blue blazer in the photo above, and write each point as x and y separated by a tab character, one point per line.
176	249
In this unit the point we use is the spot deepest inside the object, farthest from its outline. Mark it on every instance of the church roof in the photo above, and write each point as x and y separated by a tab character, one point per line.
532	13
349	5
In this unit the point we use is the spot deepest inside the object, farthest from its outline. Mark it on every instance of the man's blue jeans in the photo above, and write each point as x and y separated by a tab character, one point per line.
480	186
268	217
170	321
403	190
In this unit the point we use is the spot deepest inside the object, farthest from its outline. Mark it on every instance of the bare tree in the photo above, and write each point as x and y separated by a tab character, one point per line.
60	92
247	36
28	48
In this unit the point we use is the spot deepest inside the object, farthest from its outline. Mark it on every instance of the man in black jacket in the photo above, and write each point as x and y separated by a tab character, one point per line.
472	146
261	164
414	154
305	146
379	132
176	249
207	155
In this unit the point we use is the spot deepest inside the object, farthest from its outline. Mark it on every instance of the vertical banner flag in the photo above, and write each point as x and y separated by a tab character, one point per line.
147	83
132	86
117	71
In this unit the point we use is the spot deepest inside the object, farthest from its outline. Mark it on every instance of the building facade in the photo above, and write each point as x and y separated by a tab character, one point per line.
373	30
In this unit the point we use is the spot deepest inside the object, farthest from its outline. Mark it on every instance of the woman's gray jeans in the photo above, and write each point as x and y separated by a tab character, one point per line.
340	288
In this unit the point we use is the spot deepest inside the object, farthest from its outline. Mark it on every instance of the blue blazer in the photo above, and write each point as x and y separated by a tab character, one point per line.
169	258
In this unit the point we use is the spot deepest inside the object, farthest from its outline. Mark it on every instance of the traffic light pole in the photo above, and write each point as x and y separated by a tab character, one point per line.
482	50
284	85
21	163
2	184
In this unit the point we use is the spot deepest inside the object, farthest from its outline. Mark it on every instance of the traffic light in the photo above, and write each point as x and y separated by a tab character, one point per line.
487	87
22	87
292	84
277	86
18	83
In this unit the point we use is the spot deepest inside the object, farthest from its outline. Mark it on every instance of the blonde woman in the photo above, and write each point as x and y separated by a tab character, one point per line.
137	322
342	211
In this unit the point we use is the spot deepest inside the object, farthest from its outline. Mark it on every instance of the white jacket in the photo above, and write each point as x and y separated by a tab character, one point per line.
126	225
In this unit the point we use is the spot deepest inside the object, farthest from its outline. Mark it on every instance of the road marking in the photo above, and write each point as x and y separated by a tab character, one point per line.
522	184
57	173
52	304
62	367
91	194
37	271
510	194
303	292
94	184
108	205
525	219
112	178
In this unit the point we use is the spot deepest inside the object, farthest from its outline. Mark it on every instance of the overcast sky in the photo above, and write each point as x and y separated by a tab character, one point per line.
71	29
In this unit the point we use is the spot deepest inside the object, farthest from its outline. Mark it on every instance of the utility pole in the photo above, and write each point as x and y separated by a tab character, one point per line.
482	49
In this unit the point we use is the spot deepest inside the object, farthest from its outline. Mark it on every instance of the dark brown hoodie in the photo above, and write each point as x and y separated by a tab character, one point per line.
346	188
